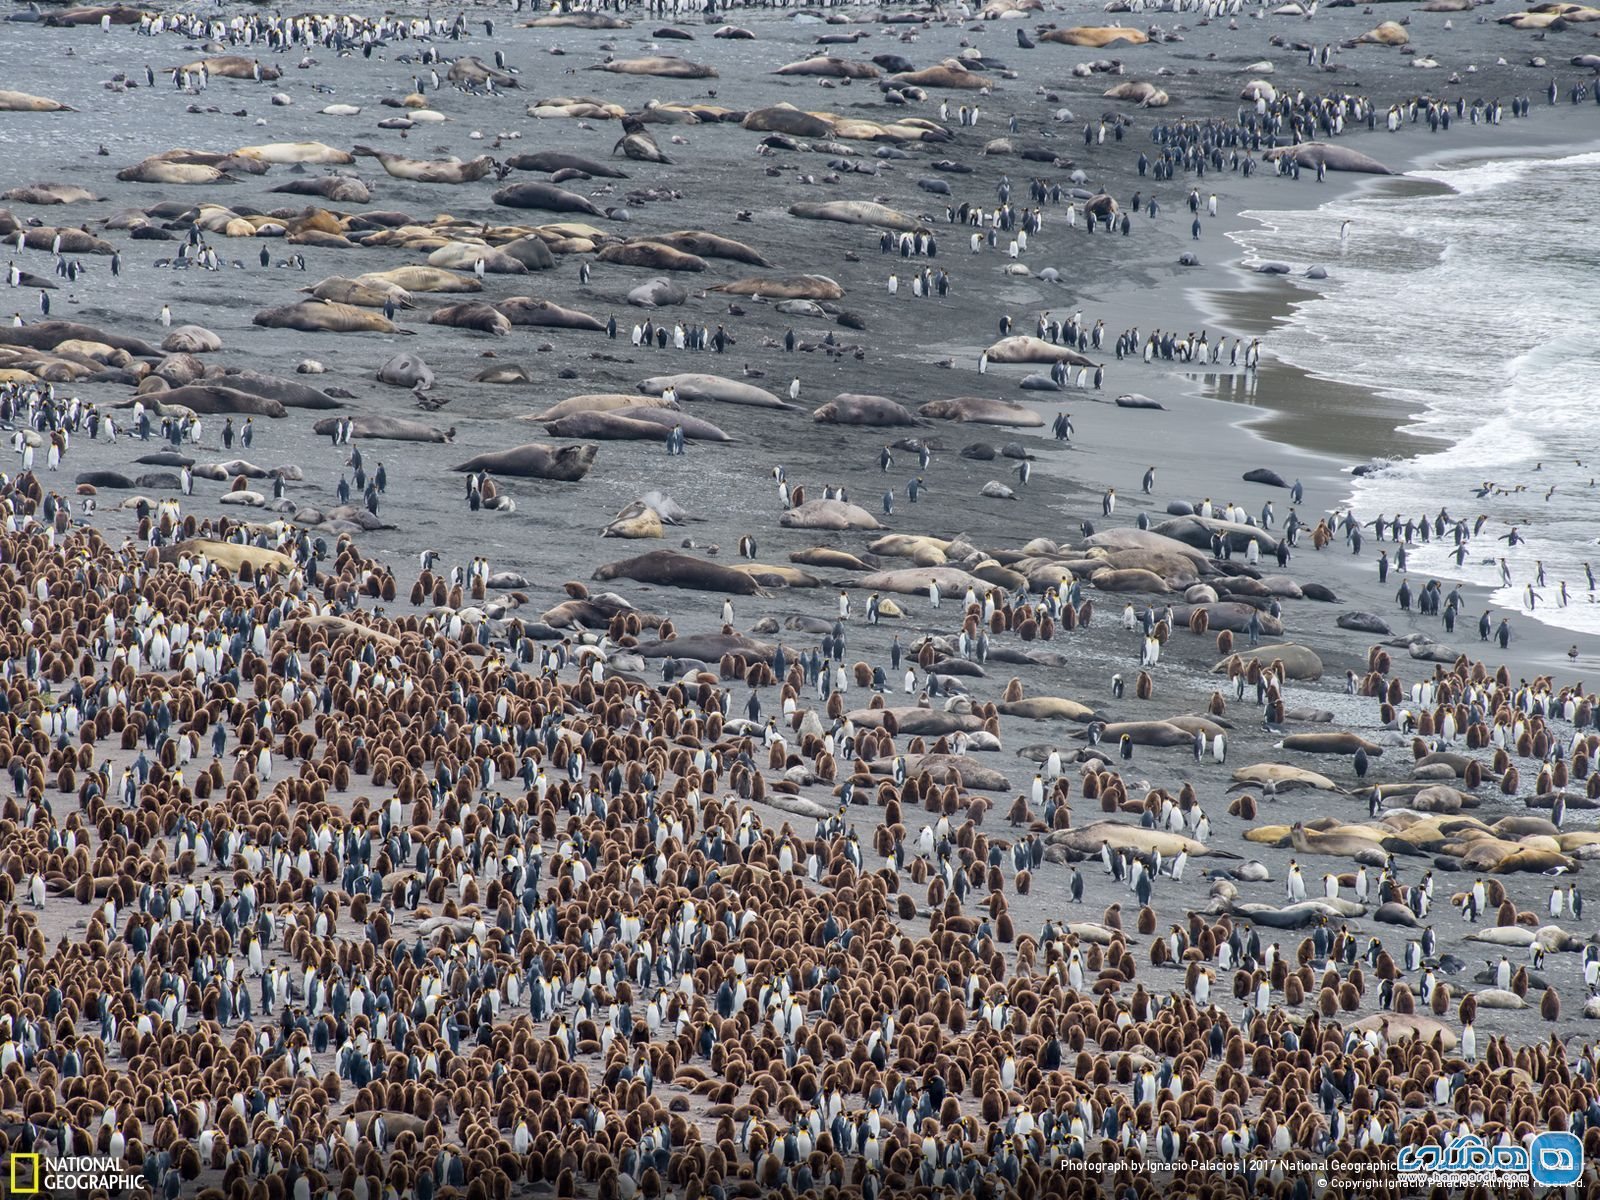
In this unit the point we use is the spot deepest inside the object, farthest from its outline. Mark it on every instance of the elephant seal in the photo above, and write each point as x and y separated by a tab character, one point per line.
551	161
958	769
473	256
23	102
1130	579
668	568
1265	475
635	521
48	193
657	293
158	170
1333	158
503	373
654	255
1283	777
1095	37
662	65
72	241
665	420
1290	916
531	252
235	66
407	371
1120	835
546	196
1415	1027
47	335
784	287
712	387
473	314
373	425
1330	743
712	245
110	480
1299	662
209	399
948	74
1198	531
1145	95
525	310
607	426
981	410
418	278
1344	841
1395	913
1145	733
854	408
1027	349
325	316
418	170
1385	33
917	722
856	212
536	460
829	557
341	189
786	119
636	142
1039	383
1047	708
596	402
361	295
915	581
1364	622
191	339
826	66
473	71
828	514
288	392
293	153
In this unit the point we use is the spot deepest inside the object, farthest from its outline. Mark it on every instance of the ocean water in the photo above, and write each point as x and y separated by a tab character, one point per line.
1475	308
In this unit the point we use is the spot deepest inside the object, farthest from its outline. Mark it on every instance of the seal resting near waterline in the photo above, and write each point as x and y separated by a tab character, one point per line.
981	410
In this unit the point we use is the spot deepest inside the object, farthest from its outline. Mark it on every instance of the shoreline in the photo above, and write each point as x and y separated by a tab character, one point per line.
1260	304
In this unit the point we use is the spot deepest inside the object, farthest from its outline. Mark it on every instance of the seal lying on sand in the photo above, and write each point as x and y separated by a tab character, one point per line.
853	408
668	568
536	460
325	316
1334	158
712	387
374	425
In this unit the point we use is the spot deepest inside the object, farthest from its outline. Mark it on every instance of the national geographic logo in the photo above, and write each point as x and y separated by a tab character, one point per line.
80	1175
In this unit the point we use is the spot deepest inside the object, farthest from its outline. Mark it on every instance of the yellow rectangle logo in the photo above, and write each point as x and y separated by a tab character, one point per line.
27	1174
